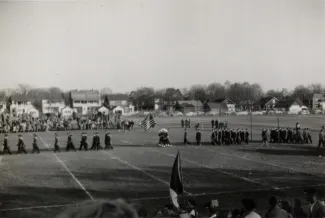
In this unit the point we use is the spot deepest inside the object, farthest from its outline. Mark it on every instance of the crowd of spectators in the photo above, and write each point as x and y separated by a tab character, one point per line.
27	123
276	209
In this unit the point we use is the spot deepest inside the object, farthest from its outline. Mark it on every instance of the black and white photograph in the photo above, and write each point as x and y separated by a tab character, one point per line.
162	108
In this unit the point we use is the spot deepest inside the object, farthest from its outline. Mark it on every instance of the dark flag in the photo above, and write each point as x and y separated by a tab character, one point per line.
176	182
148	122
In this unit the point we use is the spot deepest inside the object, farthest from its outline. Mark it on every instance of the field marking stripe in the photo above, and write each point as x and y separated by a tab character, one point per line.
260	162
67	169
137	168
220	171
127	142
159	198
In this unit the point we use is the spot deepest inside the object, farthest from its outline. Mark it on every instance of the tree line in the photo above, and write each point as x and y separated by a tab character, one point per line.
144	97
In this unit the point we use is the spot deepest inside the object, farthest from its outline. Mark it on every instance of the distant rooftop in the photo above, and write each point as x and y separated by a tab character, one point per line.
85	95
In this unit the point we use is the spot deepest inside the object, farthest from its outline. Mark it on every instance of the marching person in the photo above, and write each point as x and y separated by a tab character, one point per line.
186	142
264	138
108	144
246	136
56	143
21	145
214	137
321	141
198	137
35	145
309	136
97	142
212	123
70	144
83	142
182	123
6	147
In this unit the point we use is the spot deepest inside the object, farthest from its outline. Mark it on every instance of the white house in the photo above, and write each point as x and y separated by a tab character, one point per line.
33	112
20	104
121	101
222	105
117	110
85	101
104	110
291	106
67	112
52	106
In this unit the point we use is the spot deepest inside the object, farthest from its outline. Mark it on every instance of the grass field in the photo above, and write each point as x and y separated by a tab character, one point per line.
36	185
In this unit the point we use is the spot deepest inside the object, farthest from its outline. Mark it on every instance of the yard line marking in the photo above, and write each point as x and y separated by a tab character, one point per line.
127	142
67	169
220	171
137	168
260	162
37	207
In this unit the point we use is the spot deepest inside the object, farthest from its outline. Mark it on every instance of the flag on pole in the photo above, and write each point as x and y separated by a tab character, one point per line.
176	181
148	123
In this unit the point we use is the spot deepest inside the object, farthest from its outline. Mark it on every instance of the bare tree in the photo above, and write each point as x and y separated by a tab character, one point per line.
24	89
106	91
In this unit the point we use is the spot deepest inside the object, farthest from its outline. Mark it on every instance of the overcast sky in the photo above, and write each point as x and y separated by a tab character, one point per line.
124	44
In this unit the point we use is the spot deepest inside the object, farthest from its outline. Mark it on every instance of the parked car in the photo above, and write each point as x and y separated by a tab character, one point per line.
177	114
241	113
257	113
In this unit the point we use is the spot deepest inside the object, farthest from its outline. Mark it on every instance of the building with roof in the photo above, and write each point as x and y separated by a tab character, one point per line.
21	104
103	110
121	101
318	100
53	105
191	106
265	103
66	112
85	101
222	105
290	106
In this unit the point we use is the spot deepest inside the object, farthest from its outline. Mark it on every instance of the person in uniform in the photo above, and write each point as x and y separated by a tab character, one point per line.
238	141
94	142
182	123
289	135
35	146
264	138
321	141
83	142
242	135
198	137
108	144
212	123
186	123
21	145
197	126
213	137
56	143
246	136
216	123
304	135
6	147
98	146
309	136
186	142
70	144
220	136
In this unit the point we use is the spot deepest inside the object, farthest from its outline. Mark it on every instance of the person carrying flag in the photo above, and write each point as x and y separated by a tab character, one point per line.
21	145
108	144
70	144
148	123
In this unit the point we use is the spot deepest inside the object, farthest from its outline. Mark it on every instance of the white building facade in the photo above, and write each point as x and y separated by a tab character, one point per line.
52	106
85	101
22	105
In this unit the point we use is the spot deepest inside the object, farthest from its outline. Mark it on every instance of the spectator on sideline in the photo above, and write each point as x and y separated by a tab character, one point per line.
316	210
275	210
250	206
297	209
100	209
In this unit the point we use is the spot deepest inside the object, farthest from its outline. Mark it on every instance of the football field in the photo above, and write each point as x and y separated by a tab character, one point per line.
42	185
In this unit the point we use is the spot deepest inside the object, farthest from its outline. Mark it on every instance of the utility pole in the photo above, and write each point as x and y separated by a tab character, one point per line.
197	105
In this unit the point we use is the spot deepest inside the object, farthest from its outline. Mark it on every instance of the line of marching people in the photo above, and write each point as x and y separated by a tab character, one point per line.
70	144
288	135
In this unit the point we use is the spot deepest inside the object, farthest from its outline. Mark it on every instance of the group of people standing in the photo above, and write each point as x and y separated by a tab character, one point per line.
96	145
229	136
